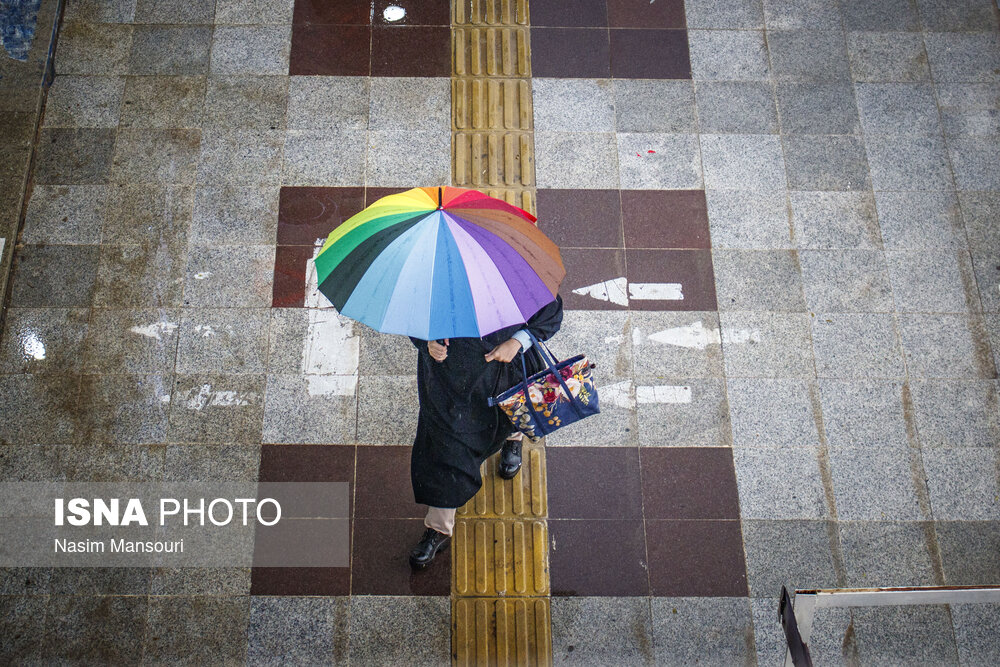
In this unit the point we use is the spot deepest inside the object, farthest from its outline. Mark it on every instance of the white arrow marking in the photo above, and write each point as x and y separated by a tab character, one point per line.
331	350
154	330
618	291
609	290
618	394
694	335
663	394
741	335
656	292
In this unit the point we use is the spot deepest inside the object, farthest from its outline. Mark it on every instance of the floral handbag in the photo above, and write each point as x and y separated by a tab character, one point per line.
561	394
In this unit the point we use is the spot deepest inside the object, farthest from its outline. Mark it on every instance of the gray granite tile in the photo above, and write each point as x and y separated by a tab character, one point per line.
759	344
795	554
977	628
163	101
125	408
400	630
216	581
139	276
670	344
95	49
872	484
826	163
696	630
224	340
745	107
845	281
40	281
617	427
905	635
728	55
779	483
116	462
400	159
778	413
89	629
767	280
683	412
74	156
215	408
328	102
244	157
27	462
246	101
170	49
606	336
943	346
801	14
382	354
422	103
981	214
156	156
957	15
253	11
992	326
149	215
99	581
191	629
173	11
743	162
885	553
298	629
749	219
975	162
928	281
817	108
969	109
215	463
43	340
659	161
373	427
827	220
236	276
724	14
964	57
32	581
231	215
887	56
866	413
956	414
831	627
576	160
39	408
963	484
294	403
808	55
84	101
605	630
968	551
329	158
902	162
257	49
920	220
881	16
651	105
101	11
131	341
898	108
863	345
67	214
986	265
572	105
316	342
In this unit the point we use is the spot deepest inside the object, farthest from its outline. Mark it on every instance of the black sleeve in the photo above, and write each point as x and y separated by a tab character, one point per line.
546	322
419	344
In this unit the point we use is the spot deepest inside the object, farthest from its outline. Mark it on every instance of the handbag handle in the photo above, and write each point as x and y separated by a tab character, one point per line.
549	360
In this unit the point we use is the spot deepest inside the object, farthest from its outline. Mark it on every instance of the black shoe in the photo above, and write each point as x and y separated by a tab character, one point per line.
510	459
429	545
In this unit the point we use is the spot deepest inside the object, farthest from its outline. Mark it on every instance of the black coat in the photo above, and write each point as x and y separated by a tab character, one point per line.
457	429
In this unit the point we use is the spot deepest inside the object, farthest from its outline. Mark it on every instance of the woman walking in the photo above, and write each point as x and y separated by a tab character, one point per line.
457	429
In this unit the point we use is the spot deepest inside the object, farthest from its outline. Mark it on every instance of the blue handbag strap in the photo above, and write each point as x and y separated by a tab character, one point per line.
550	361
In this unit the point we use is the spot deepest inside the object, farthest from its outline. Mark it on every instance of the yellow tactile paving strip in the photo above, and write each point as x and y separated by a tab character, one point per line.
500	556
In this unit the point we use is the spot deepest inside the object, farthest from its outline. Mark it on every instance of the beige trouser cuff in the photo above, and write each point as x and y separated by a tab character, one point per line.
441	519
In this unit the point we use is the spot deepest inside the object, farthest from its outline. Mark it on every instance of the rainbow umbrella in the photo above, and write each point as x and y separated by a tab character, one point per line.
439	262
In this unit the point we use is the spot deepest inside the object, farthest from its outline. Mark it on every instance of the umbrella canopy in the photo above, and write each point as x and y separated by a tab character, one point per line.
439	262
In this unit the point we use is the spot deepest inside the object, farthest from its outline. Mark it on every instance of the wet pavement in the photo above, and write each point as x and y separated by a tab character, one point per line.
781	227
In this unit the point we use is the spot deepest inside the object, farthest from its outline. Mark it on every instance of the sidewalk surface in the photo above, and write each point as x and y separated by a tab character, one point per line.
781	225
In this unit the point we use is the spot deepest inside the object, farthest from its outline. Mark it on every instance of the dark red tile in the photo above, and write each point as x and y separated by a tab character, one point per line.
593	482
570	52
380	565
606	558
289	287
696	559
665	219
383	489
581	218
355	12
688	483
590	270
692	269
411	51
372	195
649	54
307	214
307	463
644	14
417	12
300	581
569	13
330	50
